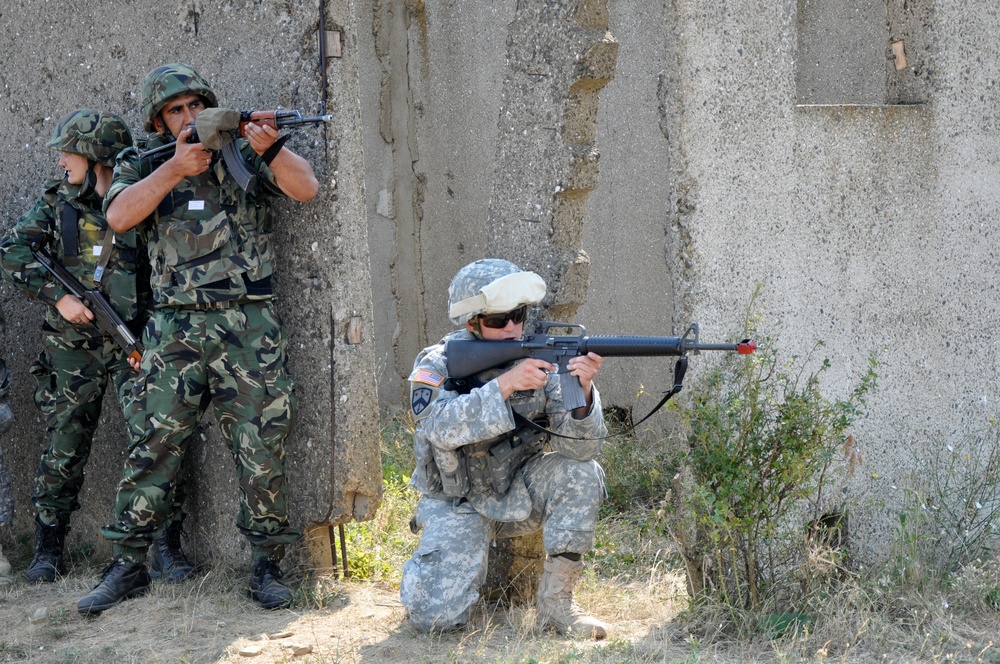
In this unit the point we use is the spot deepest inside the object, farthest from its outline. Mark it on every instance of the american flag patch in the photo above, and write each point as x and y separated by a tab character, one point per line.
428	377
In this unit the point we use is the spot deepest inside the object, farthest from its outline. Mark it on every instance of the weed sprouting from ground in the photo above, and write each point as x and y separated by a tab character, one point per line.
380	547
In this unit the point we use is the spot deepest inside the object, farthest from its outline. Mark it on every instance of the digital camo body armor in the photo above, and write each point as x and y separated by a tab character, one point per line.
209	241
469	444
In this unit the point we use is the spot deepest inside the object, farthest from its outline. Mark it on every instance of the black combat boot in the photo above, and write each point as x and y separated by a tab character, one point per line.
266	586
120	580
47	565
168	561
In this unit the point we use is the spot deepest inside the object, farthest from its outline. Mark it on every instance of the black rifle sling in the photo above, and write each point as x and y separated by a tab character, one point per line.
102	262
68	218
680	368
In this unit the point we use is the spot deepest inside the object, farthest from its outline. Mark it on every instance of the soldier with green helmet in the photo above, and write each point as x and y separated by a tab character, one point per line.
214	330
78	361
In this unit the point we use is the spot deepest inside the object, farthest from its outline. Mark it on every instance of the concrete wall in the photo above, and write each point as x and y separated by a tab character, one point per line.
256	54
653	160
841	154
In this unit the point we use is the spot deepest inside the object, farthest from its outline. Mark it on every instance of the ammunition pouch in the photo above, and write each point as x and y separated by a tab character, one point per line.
453	472
489	466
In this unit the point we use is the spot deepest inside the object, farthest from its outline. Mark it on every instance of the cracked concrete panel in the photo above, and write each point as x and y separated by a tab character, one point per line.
442	64
257	55
548	117
626	228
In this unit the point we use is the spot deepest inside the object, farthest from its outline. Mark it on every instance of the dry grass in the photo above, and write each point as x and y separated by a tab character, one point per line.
211	620
633	581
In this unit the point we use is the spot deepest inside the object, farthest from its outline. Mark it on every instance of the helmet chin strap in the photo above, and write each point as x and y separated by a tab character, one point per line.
89	184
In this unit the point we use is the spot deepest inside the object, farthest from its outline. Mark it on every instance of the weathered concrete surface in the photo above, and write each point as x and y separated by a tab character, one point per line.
257	55
625	231
434	85
868	226
863	223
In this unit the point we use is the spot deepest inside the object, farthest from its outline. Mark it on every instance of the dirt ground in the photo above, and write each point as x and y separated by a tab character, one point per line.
211	620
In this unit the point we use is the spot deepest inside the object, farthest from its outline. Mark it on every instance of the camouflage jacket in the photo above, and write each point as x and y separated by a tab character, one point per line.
208	240
448	420
47	223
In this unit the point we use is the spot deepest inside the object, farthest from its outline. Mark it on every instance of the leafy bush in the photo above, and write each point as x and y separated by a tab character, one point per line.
765	448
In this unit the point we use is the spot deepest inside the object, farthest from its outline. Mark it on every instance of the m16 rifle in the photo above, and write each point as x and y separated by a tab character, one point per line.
468	357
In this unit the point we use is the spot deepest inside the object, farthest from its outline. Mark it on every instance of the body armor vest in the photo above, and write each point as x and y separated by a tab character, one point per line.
489	465
79	244
210	241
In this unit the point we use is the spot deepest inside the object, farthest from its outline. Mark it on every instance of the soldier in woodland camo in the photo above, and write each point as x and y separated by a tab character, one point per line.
461	431
78	361
214	331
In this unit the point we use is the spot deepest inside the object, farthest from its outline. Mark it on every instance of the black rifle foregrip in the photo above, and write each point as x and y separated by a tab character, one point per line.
632	346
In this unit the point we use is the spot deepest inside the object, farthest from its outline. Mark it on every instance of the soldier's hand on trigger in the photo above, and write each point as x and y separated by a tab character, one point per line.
525	376
74	311
191	158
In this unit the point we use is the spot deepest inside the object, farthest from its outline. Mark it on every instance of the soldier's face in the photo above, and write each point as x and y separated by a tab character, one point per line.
75	165
178	114
509	332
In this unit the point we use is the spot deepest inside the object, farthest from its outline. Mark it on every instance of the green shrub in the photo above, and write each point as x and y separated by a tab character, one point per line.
765	448
378	548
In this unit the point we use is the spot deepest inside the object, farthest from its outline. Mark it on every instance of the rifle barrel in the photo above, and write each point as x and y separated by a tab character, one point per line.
295	121
633	346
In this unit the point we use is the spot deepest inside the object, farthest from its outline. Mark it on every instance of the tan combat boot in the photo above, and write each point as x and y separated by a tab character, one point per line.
555	606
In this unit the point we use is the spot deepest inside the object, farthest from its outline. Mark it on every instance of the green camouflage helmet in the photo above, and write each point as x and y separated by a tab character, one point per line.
97	136
169	81
491	285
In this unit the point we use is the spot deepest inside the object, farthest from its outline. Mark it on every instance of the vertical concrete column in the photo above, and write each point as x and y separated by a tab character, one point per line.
355	488
560	55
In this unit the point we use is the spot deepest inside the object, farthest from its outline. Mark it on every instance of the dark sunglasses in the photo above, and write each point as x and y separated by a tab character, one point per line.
499	321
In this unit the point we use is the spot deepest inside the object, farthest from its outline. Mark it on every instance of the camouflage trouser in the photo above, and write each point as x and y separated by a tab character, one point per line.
238	356
6	419
71	379
6	412
441	581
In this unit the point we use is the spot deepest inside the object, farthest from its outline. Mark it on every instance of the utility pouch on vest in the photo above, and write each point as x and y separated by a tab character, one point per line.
510	454
453	472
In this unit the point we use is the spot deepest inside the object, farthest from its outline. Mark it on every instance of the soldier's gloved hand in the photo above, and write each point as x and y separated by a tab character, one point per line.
525	376
74	311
